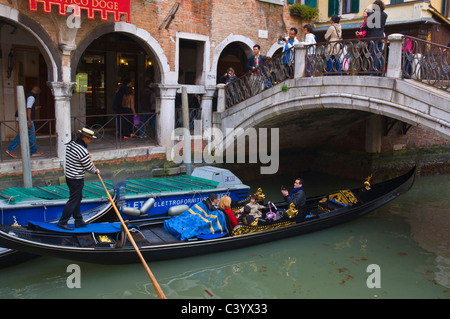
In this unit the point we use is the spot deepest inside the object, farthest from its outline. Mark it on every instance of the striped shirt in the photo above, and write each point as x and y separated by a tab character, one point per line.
78	160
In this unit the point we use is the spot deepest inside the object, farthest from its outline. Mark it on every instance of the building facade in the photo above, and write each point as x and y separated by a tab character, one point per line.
428	20
79	51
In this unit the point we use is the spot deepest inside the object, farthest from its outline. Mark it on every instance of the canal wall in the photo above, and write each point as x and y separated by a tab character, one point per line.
348	163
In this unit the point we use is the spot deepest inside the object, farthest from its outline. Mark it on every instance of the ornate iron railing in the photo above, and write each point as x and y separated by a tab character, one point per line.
426	62
347	57
276	69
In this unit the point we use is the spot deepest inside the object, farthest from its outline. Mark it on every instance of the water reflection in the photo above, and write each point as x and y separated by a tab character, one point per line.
223	280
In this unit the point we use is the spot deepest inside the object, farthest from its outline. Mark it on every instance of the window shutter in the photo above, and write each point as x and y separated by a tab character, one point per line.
355	6
311	3
333	7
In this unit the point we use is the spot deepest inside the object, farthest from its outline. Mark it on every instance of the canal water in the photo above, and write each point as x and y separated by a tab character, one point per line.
407	240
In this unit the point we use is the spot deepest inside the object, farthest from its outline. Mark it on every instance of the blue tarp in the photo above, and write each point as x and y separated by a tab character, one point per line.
101	228
197	220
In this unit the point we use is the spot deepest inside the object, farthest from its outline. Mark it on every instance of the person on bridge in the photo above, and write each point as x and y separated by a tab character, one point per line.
228	77
310	38
334	48
376	46
289	43
256	60
255	64
78	161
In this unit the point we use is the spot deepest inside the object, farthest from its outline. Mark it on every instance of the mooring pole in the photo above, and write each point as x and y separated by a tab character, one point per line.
23	134
187	130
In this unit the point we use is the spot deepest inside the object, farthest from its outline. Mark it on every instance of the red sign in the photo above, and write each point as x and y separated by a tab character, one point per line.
116	7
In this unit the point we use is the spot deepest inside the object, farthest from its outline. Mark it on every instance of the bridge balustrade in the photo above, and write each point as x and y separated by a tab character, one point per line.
426	62
276	70
394	56
347	57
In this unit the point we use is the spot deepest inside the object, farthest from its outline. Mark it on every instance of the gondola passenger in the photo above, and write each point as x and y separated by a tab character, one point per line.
255	207
296	196
247	219
224	206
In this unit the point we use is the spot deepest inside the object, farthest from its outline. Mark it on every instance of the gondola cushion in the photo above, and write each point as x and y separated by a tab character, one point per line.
197	220
99	228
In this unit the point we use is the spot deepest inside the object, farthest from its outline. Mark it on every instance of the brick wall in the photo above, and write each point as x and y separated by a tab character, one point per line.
216	19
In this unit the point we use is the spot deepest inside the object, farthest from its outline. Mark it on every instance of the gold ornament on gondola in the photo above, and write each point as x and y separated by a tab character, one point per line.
261	195
291	212
367	182
15	222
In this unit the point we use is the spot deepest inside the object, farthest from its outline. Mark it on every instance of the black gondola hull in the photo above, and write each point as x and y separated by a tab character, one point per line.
386	192
102	213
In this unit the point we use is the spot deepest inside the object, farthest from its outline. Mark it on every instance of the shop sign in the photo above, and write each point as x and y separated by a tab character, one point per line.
82	82
116	7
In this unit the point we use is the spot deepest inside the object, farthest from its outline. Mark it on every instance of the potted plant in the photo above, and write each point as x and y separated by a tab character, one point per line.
305	12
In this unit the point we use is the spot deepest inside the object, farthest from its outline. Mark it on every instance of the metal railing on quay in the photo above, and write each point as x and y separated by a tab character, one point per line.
347	57
44	137
426	62
275	70
115	130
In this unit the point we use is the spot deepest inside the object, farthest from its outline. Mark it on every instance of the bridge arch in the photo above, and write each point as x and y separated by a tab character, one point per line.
51	55
407	101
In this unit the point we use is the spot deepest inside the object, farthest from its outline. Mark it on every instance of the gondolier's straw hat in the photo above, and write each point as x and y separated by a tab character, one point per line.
87	132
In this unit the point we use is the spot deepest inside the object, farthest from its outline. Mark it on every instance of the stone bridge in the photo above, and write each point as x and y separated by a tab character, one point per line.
320	107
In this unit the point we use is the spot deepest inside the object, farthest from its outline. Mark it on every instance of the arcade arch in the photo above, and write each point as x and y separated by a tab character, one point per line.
28	59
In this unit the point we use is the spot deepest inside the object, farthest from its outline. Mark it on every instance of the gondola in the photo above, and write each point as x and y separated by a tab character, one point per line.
109	245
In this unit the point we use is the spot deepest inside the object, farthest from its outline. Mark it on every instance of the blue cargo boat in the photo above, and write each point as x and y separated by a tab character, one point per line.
139	198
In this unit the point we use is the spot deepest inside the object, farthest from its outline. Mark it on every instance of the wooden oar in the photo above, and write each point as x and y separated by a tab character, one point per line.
158	289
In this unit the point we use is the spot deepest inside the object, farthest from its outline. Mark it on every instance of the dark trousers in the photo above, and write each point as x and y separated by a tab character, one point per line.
126	122
72	207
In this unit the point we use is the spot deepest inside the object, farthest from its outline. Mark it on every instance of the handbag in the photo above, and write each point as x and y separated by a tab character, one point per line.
136	121
271	214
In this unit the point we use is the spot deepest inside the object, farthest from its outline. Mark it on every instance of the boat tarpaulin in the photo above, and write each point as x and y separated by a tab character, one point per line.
197	220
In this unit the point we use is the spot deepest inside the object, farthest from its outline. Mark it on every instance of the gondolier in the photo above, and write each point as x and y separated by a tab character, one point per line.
78	161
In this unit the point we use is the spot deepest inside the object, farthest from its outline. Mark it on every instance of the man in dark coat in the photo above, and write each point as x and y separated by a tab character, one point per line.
255	60
297	196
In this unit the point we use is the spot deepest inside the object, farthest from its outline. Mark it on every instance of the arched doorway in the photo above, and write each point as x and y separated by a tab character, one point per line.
233	55
26	60
104	65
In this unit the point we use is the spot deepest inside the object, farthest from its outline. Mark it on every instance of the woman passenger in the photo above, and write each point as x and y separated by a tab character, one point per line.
224	205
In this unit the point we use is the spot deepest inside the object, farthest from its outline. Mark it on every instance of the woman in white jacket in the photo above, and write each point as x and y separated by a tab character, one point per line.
310	38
